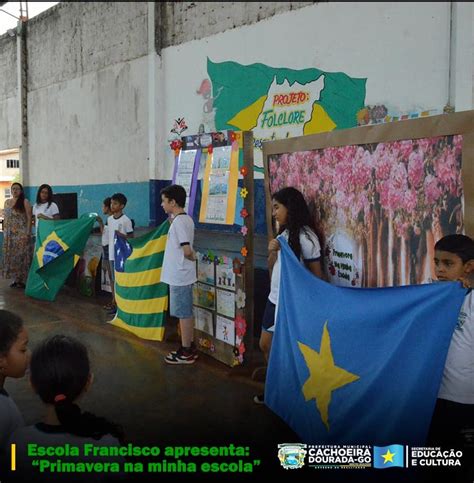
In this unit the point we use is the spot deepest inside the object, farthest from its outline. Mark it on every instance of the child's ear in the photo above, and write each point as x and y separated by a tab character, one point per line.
469	267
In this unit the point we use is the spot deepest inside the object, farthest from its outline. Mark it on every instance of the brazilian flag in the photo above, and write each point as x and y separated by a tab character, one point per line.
59	245
142	300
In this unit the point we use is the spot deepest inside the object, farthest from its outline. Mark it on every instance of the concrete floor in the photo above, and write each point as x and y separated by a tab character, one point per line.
206	403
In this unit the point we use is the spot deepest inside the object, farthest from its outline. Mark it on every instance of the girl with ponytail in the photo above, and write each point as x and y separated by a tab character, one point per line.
60	374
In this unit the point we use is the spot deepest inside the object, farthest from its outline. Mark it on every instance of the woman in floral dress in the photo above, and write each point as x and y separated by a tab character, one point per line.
17	236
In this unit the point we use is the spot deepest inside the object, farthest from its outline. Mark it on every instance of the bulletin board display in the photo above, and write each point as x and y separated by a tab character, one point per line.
223	294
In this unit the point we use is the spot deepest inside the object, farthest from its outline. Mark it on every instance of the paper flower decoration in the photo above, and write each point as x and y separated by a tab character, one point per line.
235	146
241	348
236	266
240	299
240	358
244	192
244	171
176	145
244	230
232	136
244	251
244	213
240	326
213	348
210	149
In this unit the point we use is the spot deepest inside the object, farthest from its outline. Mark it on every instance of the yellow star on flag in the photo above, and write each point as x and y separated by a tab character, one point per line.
388	457
324	376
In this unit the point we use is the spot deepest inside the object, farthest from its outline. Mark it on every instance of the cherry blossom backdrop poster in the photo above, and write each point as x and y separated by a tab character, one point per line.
379	207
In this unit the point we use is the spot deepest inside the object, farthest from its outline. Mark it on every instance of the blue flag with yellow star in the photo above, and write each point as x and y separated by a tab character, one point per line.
358	366
389	456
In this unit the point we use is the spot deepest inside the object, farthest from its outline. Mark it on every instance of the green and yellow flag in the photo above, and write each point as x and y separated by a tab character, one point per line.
142	300
59	245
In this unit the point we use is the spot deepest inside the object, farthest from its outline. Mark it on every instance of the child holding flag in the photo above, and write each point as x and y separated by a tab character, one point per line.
453	416
291	213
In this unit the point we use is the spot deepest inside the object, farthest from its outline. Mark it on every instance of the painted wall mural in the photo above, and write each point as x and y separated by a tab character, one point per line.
380	114
278	103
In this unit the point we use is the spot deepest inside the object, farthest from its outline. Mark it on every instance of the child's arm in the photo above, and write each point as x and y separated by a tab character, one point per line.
315	268
42	216
128	228
272	258
123	235
273	248
101	223
188	252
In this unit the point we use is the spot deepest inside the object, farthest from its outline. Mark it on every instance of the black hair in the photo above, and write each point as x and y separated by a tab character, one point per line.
60	370
50	194
460	245
10	327
20	202
120	197
298	217
175	192
107	202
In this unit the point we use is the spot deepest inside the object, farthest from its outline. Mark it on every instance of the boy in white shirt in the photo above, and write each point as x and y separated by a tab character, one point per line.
179	271
453	416
118	223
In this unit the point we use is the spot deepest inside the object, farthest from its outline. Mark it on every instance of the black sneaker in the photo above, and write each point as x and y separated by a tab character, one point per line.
193	350
112	310
181	356
259	399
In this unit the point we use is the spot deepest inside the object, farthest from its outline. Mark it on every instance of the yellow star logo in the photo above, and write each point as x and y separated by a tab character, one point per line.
324	376
388	457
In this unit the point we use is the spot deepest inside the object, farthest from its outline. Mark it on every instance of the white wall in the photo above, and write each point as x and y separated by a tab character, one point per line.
91	129
401	48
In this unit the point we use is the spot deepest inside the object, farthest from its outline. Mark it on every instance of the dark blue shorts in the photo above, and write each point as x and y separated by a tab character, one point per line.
268	321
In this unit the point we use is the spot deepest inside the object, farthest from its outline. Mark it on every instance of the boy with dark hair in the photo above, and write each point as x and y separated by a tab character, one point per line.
118	223
179	271
454	412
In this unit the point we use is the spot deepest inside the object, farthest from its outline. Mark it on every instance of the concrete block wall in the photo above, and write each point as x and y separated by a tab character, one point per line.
76	38
9	117
186	21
